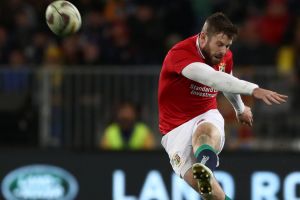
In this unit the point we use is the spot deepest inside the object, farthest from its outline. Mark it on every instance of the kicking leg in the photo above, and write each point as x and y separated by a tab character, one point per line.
217	192
206	142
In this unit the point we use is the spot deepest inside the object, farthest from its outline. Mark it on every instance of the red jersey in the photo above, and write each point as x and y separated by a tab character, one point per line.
179	98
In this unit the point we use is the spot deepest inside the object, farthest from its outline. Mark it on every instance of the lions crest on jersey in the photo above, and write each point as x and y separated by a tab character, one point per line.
222	66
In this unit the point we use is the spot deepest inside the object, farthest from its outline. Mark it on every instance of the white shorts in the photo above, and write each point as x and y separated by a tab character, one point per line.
178	142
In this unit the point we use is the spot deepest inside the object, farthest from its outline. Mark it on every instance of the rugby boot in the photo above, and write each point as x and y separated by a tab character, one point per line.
203	176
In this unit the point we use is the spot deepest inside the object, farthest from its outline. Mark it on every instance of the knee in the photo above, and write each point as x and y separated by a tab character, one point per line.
204	134
201	138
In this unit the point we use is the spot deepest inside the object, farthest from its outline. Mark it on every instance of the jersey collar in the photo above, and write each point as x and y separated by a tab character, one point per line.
198	47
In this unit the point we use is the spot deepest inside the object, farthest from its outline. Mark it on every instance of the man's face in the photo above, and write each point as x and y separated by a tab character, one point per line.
126	116
214	47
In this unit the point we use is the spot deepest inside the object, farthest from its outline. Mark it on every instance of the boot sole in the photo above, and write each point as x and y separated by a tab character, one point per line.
203	175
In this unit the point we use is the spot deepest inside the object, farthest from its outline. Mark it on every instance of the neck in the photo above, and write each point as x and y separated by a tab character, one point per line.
198	44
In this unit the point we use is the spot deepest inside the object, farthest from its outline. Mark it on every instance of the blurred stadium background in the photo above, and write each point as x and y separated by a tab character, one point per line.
57	95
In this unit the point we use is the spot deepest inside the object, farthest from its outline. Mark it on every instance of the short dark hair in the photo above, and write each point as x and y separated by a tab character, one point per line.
219	23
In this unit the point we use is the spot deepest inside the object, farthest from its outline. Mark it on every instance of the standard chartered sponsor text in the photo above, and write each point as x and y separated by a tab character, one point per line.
203	91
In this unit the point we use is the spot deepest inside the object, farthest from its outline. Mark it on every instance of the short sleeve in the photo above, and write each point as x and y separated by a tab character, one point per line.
182	58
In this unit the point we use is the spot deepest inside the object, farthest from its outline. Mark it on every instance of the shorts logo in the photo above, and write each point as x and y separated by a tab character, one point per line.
176	161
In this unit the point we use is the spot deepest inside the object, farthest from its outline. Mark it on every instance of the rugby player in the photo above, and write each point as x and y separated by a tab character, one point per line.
193	73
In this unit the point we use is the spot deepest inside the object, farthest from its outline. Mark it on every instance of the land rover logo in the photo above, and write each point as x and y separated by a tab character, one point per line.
39	182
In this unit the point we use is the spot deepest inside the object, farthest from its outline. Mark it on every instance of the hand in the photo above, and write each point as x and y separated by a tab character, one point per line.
245	117
268	96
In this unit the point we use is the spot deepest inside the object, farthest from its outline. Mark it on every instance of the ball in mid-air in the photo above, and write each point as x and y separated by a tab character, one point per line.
63	18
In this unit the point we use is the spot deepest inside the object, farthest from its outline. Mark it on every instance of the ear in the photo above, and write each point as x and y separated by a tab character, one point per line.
203	39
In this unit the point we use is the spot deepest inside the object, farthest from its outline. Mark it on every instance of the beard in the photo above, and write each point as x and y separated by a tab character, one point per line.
211	59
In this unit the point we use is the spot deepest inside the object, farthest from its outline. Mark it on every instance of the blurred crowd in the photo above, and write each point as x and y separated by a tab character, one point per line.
113	32
135	32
